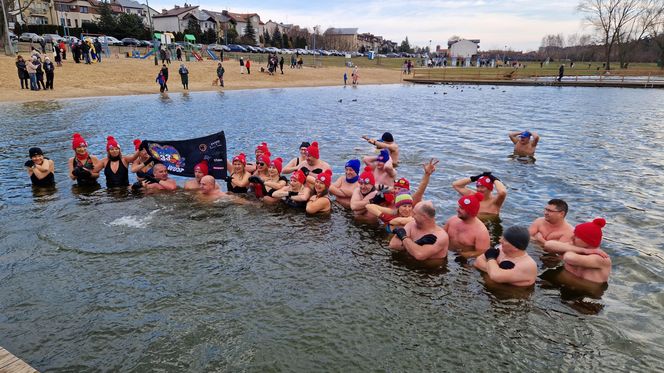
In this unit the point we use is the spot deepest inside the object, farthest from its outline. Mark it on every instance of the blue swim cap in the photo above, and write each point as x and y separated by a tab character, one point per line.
525	134
384	156
354	164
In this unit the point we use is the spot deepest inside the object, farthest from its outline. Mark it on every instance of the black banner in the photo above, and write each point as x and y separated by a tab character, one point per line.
181	156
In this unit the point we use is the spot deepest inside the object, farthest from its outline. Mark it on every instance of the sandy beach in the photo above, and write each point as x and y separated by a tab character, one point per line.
117	76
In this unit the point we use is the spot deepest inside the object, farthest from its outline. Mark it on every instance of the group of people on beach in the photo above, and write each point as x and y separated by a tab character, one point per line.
371	189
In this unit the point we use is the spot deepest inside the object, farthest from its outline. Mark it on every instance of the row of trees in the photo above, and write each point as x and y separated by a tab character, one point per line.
121	25
622	26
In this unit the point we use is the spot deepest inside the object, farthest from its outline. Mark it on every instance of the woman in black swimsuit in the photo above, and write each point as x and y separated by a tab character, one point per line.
272	182
296	194
294	164
238	180
320	202
115	166
82	164
40	169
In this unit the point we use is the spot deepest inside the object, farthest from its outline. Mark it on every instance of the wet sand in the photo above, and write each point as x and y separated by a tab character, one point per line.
117	76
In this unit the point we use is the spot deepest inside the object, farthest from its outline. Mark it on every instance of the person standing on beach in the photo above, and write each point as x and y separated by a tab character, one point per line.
168	56
162	82
345	78
184	76
99	50
523	145
248	66
49	69
63	49
164	72
281	65
23	75
40	74
58	55
241	65
31	69
561	72
220	74
162	55
178	53
355	75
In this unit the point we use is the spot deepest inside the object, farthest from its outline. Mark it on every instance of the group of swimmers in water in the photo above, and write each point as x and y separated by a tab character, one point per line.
373	193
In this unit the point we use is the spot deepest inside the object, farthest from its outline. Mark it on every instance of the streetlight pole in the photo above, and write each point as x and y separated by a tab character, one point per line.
154	44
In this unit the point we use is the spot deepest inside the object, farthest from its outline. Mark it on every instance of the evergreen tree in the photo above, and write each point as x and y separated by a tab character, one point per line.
266	38
285	42
249	34
107	23
194	28
405	46
209	36
131	25
276	38
231	35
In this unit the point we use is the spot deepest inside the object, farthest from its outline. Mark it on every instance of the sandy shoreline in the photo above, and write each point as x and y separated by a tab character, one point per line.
127	76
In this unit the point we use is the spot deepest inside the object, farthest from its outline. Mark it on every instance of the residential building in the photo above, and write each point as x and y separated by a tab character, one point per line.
174	20
222	22
342	39
241	20
38	12
369	42
271	27
134	7
74	13
204	19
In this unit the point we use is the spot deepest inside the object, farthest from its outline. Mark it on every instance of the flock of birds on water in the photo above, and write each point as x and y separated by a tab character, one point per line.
435	92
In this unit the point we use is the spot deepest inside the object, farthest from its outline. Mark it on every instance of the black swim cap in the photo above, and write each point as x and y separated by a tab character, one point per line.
517	236
35	151
304	145
387	137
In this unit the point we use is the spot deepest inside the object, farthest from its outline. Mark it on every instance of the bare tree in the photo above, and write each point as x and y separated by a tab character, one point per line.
10	8
609	18
647	14
657	34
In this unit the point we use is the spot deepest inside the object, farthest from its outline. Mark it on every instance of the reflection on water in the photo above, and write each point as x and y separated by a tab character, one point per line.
96	279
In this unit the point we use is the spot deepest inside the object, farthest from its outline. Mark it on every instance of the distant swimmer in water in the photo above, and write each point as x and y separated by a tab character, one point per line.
485	183
422	238
82	165
238	180
510	264
209	190
115	165
40	169
200	170
159	180
553	225
523	145
314	165
401	215
386	142
583	258
343	188
383	170
363	194
320	203
468	235
297	193
295	163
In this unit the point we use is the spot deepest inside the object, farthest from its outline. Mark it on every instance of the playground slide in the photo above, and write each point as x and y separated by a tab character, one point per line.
148	54
211	53
197	56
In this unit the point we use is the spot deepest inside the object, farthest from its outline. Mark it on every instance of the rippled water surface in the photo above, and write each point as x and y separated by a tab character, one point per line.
107	282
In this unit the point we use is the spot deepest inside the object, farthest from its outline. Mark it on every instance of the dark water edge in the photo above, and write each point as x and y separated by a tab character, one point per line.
104	282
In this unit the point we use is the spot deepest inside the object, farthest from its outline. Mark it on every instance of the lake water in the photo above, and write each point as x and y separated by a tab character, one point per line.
105	282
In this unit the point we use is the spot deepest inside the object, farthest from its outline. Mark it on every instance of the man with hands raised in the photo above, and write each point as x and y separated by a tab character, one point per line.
485	184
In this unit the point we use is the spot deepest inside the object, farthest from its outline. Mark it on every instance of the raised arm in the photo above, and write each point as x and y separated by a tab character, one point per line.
429	168
514	136
369	160
502	193
460	186
535	140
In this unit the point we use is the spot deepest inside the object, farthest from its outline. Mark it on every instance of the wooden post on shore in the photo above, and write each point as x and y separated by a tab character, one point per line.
11	364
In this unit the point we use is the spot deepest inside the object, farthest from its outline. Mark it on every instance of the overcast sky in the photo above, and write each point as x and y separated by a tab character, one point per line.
517	24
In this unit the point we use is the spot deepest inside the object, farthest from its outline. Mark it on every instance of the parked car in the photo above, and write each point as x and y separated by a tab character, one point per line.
52	38
215	47
130	41
13	36
109	40
271	50
236	48
145	43
30	37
